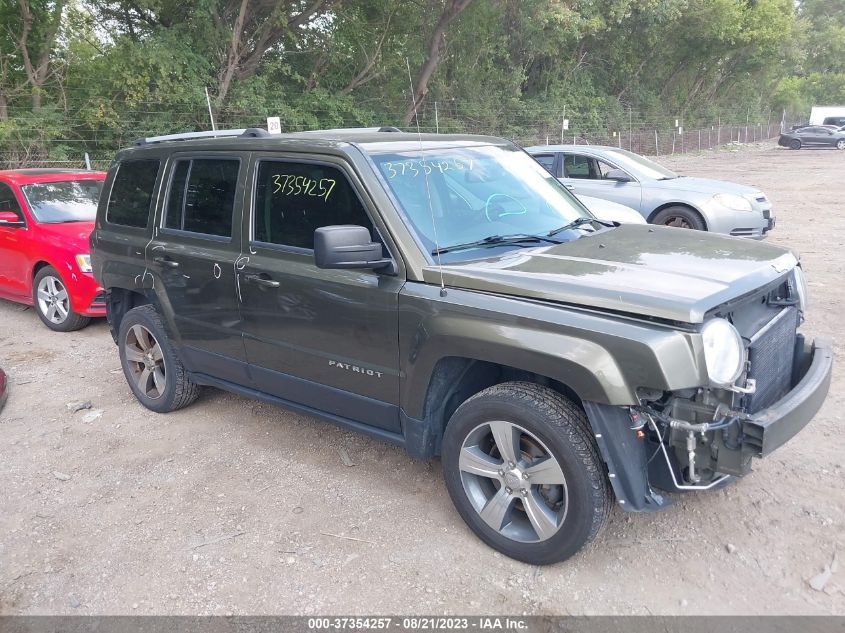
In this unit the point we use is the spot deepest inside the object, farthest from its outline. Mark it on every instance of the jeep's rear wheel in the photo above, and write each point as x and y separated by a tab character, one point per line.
524	472
153	370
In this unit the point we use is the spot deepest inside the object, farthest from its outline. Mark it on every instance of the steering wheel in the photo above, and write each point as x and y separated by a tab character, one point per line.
504	213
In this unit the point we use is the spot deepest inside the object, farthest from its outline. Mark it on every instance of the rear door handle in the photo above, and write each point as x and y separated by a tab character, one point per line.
261	279
166	261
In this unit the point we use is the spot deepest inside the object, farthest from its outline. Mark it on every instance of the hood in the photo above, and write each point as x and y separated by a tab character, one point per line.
73	236
704	185
666	273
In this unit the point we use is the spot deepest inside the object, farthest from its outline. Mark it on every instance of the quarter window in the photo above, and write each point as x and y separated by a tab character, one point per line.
132	193
292	200
202	196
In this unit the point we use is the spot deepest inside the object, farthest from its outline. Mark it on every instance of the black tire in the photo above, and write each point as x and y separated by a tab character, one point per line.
56	313
680	217
175	389
562	429
795	144
840	144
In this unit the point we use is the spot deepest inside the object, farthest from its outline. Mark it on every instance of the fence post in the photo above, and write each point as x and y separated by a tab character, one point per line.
673	142
719	133
656	145
699	139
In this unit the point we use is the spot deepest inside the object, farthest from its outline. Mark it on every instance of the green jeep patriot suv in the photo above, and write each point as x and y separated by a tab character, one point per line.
447	294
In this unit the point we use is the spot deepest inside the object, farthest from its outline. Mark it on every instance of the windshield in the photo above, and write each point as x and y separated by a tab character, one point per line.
470	194
63	201
640	166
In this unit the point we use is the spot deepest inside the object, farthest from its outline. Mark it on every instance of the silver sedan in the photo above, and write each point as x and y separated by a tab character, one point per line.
658	194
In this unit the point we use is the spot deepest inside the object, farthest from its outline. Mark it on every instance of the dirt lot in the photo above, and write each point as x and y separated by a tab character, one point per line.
232	506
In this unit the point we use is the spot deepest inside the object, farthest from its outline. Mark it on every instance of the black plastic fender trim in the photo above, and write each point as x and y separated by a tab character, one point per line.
626	458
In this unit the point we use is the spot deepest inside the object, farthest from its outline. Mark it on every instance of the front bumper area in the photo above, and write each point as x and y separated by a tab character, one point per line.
771	428
631	454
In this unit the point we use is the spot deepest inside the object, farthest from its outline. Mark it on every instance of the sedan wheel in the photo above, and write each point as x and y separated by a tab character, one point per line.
840	144
53	300
146	361
795	144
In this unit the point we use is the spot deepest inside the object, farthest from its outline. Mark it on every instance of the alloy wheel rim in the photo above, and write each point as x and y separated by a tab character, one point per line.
53	300
840	145
678	222
513	482
146	361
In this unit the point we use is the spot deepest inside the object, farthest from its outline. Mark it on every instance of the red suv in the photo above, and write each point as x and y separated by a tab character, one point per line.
46	217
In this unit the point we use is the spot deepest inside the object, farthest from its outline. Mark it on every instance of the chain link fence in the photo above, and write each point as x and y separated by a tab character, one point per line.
648	135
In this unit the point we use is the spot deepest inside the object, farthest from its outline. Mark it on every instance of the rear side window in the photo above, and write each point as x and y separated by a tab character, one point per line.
132	193
202	196
294	199
577	166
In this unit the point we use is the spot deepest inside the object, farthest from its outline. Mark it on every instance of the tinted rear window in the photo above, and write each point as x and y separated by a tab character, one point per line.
132	193
202	196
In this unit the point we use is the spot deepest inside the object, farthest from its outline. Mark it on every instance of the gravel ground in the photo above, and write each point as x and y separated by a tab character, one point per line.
231	506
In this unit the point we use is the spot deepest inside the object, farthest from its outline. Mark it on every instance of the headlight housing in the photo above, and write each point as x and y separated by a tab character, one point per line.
732	201
798	287
724	352
84	262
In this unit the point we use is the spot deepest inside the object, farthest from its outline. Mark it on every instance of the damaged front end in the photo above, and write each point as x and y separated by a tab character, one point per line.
697	439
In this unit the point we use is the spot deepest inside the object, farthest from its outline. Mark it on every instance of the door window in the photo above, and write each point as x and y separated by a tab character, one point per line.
578	166
132	193
202	196
292	200
547	161
8	201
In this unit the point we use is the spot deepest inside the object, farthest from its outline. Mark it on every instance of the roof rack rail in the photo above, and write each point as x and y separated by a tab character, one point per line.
188	136
384	128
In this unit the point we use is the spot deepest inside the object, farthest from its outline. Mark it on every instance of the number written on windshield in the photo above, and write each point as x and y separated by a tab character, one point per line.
290	185
414	168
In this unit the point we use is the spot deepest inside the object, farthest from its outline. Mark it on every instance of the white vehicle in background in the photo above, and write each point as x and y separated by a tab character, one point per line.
611	211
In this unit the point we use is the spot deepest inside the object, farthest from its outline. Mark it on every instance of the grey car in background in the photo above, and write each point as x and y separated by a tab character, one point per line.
661	196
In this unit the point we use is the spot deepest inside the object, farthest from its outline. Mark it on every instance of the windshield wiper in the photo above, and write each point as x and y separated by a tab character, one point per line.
579	222
496	240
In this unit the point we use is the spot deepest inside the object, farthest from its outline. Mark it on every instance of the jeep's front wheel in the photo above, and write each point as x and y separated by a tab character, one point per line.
153	370
524	472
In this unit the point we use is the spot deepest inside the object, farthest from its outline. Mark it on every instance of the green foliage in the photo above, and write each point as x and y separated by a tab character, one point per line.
120	69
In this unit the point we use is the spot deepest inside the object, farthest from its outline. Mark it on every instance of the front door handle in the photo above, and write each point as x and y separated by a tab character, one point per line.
166	261
261	279
568	186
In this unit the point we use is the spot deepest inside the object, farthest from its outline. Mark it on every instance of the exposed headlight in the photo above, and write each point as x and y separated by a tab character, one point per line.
731	201
84	263
724	352
798	285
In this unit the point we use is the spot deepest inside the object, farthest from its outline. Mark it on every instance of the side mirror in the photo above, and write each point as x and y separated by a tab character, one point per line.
9	218
347	246
618	175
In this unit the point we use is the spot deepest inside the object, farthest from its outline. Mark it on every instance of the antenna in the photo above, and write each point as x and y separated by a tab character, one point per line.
425	176
210	115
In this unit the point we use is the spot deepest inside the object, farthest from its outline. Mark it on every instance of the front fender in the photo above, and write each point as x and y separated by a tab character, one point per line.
603	358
